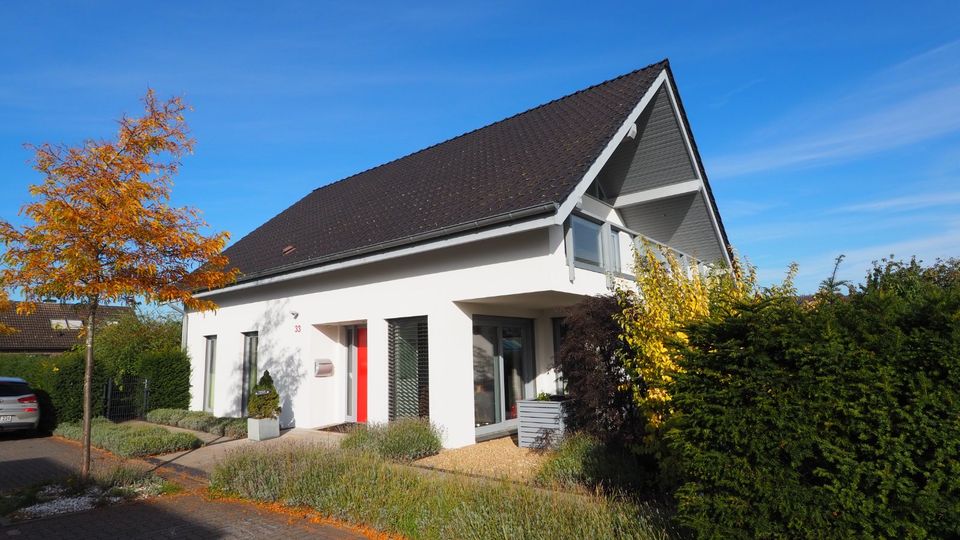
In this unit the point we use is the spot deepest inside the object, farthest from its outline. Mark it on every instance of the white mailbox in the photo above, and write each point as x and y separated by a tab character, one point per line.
323	367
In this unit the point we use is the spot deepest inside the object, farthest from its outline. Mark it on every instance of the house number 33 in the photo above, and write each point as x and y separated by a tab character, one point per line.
296	329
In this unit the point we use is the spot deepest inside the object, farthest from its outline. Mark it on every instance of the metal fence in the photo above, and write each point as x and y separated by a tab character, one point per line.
126	399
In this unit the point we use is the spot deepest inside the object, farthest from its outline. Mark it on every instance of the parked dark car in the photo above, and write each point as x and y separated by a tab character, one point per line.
18	405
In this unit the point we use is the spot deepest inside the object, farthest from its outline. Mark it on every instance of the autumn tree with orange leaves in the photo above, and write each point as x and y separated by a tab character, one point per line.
100	228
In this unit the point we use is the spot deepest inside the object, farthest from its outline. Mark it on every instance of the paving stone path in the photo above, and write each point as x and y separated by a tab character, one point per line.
25	461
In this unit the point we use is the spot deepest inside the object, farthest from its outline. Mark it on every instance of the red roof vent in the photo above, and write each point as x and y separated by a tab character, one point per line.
288	250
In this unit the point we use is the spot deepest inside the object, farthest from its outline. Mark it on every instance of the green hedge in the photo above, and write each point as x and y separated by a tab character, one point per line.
58	380
169	375
363	488
127	440
826	421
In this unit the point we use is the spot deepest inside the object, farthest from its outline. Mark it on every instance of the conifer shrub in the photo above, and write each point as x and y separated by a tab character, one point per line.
836	419
264	400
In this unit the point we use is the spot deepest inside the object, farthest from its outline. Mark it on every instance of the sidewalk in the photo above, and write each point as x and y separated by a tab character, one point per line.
201	461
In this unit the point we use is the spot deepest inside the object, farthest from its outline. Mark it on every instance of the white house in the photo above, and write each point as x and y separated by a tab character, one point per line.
433	285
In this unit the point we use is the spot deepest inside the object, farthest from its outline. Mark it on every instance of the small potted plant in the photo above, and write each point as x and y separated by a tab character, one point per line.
264	409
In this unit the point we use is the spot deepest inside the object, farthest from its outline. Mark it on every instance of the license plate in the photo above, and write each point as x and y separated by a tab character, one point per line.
6	419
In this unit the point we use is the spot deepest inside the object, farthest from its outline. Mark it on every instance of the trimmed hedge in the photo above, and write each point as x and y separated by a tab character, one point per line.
169	375
835	420
129	441
404	439
363	488
58	381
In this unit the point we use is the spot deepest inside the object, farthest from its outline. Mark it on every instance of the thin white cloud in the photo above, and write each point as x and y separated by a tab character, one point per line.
913	101
910	202
725	98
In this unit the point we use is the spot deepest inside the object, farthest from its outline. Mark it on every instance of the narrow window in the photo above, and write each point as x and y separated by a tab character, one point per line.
586	241
210	371
614	258
250	372
408	360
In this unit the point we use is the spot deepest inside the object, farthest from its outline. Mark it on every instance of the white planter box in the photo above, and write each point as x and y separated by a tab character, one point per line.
261	429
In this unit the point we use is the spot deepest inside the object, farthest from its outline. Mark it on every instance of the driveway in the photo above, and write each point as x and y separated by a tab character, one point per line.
26	461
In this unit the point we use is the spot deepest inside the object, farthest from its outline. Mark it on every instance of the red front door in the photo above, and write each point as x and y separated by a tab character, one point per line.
361	375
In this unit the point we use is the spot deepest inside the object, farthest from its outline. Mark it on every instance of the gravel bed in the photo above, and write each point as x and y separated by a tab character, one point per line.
497	458
62	505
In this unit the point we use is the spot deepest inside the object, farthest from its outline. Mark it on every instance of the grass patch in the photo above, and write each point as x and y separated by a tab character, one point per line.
362	488
235	428
130	441
404	439
11	502
582	461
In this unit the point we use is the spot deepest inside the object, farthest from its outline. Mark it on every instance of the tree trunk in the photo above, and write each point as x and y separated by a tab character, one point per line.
88	395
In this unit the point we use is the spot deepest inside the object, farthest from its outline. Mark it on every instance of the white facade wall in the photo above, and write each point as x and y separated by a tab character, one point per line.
449	286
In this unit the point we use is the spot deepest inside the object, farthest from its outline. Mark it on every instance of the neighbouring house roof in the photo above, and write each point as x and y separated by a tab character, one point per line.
53	327
518	168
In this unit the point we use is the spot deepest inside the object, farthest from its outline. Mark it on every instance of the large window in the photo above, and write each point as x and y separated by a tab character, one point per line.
596	246
586	241
408	359
210	371
250	340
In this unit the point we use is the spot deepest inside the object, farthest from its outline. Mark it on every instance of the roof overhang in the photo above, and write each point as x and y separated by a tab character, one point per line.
506	224
627	129
512	222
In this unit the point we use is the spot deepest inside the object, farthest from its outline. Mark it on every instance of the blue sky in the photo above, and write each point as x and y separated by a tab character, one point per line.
825	128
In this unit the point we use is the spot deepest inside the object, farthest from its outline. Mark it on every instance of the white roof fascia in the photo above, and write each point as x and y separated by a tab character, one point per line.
387	255
711	210
564	211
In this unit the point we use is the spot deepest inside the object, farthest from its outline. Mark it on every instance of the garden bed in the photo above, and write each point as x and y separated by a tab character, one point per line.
234	428
498	458
121	484
361	488
130	440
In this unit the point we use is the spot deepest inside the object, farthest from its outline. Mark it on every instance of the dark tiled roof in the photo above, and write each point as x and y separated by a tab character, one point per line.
35	332
527	163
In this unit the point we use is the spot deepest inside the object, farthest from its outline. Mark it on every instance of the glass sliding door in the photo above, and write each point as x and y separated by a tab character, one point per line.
486	371
250	373
502	370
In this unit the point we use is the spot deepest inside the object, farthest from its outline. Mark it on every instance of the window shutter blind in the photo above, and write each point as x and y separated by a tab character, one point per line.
408	368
